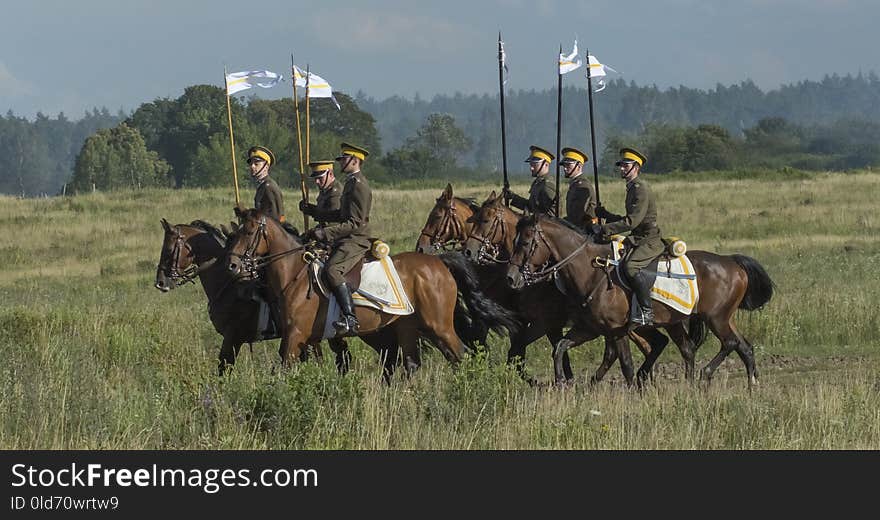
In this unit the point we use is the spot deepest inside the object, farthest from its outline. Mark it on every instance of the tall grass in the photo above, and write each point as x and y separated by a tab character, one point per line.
95	358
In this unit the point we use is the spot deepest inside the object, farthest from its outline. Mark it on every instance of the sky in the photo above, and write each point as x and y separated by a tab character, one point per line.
72	56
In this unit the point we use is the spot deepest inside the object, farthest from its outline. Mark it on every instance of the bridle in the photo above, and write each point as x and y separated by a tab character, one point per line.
546	270
450	220
251	263
191	271
489	250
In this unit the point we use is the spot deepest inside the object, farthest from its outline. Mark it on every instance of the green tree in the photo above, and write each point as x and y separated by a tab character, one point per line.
117	158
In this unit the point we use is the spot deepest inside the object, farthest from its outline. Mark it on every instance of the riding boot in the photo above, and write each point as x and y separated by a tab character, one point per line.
641	311
347	324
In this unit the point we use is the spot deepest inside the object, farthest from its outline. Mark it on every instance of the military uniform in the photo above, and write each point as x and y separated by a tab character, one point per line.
328	203
644	238
350	231
580	201
269	200
542	194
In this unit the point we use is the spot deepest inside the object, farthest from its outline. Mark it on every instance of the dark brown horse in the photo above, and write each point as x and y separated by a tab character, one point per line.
427	280
491	243
198	250
725	282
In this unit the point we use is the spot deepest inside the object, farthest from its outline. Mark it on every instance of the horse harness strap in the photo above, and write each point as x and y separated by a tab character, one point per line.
450	218
486	241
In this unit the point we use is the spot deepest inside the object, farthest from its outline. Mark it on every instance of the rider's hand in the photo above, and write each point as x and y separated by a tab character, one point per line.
316	233
601	212
305	207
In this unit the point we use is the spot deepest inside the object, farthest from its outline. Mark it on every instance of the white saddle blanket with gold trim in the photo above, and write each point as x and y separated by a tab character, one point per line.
380	289
681	294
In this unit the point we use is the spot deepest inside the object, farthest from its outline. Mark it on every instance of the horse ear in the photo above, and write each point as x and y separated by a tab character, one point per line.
238	211
166	225
447	193
492	197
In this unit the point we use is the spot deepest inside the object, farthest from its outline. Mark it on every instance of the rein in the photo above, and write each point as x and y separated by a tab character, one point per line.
250	262
546	273
190	272
489	250
450	219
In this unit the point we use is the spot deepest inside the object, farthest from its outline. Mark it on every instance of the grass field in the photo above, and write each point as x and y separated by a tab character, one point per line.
94	357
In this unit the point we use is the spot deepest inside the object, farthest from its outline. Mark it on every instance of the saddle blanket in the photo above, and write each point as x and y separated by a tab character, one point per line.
380	289
676	282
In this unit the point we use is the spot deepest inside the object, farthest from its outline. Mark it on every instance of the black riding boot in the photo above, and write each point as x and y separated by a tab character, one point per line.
347	324
641	312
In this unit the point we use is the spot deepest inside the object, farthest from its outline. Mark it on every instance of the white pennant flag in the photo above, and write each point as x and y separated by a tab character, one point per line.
567	63
238	81
504	63
318	86
597	70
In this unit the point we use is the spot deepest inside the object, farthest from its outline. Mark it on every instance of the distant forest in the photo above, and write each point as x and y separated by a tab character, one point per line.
829	124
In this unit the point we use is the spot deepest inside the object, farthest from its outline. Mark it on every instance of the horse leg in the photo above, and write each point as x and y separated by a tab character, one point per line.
574	338
292	345
680	336
554	336
747	354
625	356
608	359
228	352
726	335
389	357
658	343
343	355
516	355
408	339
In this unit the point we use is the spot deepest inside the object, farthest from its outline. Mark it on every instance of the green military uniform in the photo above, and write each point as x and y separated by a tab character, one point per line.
350	231
328	203
269	200
641	221
580	201
542	194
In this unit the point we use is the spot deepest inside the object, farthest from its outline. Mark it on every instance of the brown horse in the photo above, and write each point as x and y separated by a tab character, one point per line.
546	308
427	280
198	251
725	283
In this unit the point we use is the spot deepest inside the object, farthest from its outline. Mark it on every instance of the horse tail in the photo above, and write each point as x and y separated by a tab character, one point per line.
697	330
760	288
486	313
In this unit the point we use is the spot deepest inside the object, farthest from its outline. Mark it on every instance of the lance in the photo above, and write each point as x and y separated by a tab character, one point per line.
592	127
231	138
503	132
302	176
558	124
308	124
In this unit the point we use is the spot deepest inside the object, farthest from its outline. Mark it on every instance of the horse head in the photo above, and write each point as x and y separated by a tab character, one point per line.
178	261
491	237
447	225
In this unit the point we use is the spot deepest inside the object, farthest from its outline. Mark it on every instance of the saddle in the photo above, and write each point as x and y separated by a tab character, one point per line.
378	251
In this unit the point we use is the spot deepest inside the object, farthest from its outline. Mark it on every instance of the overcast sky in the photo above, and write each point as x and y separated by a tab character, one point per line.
74	55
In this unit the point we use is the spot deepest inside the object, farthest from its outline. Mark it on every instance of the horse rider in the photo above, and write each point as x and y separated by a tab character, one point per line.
580	201
348	230
329	195
542	194
644	238
268	197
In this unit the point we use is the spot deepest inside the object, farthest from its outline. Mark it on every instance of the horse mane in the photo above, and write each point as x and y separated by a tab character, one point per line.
531	220
256	214
204	226
470	202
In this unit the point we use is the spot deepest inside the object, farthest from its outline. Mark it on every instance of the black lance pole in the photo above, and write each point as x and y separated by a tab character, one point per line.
558	125
503	129
592	127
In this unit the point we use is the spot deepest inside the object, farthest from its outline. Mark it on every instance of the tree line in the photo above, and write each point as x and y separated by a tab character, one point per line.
183	142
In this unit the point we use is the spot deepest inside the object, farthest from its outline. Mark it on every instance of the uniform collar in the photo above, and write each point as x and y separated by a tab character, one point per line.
351	175
576	177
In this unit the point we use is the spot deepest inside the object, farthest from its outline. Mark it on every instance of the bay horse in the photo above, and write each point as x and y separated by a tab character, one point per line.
427	280
725	282
198	250
491	243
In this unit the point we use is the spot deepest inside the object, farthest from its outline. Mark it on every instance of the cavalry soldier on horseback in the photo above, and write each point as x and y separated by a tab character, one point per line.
542	194
580	201
641	221
330	194
268	197
348	230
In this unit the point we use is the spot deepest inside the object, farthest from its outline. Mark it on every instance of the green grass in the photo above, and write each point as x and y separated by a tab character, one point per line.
94	357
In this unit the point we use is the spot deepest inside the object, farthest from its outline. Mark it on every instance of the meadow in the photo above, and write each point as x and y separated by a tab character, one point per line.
94	357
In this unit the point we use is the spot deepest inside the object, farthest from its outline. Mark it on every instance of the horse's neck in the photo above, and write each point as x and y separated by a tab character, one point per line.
285	265
464	214
509	220
578	272
216	277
